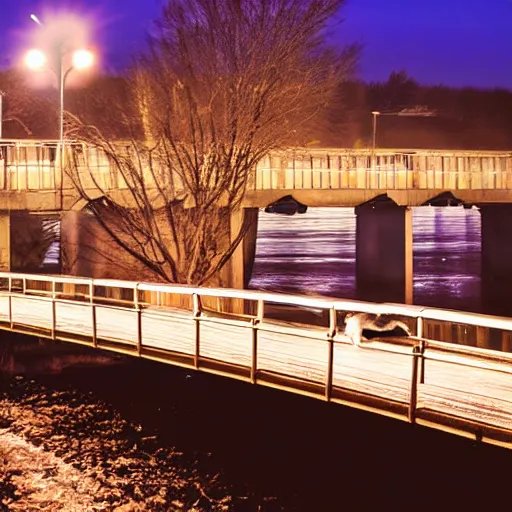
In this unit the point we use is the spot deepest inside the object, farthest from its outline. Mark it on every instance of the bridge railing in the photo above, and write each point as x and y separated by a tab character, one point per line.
35	165
323	169
449	326
466	389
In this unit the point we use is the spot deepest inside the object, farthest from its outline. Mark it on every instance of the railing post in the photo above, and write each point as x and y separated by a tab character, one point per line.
196	309
11	323
413	394
419	334
254	356
54	320
54	311
139	332
330	354
419	327
422	362
139	319
94	326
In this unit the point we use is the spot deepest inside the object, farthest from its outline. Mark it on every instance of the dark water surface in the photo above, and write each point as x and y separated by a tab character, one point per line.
316	252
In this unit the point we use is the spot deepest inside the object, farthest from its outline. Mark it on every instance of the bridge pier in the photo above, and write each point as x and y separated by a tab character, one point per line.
5	241
496	273
384	265
77	244
239	268
88	251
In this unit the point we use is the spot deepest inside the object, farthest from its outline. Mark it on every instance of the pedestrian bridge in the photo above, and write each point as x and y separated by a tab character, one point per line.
32	177
290	342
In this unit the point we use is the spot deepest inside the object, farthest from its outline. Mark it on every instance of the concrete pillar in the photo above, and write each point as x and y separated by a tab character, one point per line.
87	250
242	260
5	241
496	273
384	271
77	244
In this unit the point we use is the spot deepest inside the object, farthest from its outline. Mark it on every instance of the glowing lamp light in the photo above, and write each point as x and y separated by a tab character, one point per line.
83	59
35	59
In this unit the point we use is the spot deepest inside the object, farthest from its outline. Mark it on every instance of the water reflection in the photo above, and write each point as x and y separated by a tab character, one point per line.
315	253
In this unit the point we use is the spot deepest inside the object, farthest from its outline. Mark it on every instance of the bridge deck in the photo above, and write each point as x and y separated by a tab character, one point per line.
464	389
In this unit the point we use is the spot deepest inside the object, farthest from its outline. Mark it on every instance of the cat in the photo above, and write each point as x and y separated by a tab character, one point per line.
356	323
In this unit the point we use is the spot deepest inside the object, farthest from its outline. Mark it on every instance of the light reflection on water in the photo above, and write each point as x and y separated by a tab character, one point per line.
315	253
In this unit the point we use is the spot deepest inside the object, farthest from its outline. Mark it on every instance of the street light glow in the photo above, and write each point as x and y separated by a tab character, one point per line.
82	59
62	39
35	59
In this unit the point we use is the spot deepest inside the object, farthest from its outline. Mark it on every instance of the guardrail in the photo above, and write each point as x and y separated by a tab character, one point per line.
35	165
384	169
289	342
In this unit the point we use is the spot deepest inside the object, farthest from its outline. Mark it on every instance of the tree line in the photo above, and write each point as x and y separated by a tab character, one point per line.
463	118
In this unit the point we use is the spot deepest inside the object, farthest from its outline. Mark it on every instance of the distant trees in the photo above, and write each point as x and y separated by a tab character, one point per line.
222	84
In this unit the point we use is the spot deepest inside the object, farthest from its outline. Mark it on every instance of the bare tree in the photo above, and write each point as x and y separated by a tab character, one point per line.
222	84
24	111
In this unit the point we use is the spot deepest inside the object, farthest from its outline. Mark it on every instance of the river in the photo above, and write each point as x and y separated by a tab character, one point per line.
316	252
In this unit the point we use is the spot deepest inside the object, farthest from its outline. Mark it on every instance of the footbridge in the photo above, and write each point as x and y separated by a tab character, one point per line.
450	374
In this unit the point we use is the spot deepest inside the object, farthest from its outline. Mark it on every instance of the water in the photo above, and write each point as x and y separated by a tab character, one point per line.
316	252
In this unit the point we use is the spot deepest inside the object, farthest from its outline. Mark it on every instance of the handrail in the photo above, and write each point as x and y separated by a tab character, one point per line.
306	301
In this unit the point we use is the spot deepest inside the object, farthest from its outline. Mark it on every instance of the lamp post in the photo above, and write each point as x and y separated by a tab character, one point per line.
417	111
2	114
81	59
375	113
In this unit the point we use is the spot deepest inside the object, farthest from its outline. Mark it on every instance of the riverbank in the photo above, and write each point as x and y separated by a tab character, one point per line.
147	436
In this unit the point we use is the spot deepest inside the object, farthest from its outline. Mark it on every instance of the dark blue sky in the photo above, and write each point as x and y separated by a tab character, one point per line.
454	42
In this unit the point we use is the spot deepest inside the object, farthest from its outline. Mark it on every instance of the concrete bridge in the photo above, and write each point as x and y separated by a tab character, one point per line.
382	185
31	176
444	376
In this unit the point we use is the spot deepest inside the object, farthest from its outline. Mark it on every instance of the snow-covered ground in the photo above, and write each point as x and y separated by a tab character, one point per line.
64	450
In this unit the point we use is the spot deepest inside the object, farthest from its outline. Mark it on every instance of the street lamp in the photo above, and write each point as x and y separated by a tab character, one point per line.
416	111
2	114
375	113
81	59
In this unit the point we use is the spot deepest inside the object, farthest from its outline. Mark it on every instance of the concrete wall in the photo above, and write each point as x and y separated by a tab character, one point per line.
497	258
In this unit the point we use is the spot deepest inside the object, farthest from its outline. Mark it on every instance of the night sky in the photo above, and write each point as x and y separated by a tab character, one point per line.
454	42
